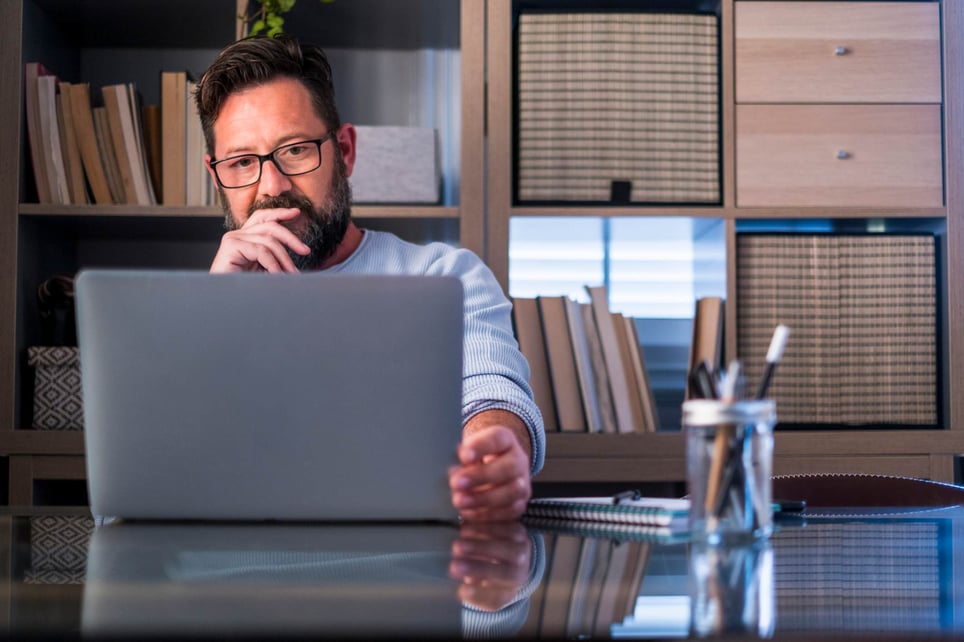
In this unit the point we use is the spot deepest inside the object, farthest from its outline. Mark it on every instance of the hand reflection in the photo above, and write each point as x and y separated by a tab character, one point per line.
492	562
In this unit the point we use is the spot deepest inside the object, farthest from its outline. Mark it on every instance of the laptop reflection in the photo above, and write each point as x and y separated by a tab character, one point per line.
282	580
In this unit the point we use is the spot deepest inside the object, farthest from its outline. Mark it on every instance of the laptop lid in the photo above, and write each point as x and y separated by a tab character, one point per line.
267	396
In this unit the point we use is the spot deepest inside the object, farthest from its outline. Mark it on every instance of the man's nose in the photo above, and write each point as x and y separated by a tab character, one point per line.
273	182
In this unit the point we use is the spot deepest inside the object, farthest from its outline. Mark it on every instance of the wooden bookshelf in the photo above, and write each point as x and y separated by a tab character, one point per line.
659	457
107	41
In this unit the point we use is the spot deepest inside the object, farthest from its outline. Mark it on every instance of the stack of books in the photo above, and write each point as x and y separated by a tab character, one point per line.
587	368
107	148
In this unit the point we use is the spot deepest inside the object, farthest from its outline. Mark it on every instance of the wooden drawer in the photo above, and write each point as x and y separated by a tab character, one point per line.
889	155
821	52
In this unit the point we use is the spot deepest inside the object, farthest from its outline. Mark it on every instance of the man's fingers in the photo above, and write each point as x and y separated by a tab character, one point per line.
501	469
487	573
496	514
274	230
265	251
494	495
272	215
264	246
486	442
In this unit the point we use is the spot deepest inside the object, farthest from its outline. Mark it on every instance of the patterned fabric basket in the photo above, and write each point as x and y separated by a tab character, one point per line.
58	549
57	402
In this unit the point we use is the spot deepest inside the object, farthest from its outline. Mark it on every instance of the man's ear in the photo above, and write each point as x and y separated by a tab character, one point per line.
345	138
207	164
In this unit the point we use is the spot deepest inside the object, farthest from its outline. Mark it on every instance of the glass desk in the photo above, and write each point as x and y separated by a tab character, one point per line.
839	574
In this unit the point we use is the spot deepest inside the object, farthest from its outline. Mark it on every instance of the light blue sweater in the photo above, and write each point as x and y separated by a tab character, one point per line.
495	374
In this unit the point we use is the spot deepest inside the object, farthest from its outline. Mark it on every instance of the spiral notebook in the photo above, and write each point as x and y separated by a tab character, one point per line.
667	514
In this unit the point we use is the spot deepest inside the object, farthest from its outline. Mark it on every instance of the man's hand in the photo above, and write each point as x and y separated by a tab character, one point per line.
261	244
492	482
491	561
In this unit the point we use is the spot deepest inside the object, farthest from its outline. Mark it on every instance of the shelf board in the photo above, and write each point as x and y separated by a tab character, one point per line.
41	442
127	211
195	212
858	442
404	211
719	211
662	456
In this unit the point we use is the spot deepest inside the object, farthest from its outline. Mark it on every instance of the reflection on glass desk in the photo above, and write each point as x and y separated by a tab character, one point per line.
843	573
848	575
133	580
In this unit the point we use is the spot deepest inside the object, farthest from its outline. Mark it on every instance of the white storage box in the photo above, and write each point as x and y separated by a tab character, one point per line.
396	165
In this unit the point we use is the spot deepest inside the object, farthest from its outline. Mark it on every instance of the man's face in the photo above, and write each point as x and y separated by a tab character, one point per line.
260	119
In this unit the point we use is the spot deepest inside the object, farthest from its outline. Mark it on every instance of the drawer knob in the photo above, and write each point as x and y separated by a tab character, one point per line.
843	154
840	50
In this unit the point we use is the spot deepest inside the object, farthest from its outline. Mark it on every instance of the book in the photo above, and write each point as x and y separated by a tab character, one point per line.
122	114
582	604
105	147
83	122
620	558
70	147
197	177
174	97
589	388
124	148
562	365
560	579
644	511
629	373
151	122
707	342
626	420
641	376
596	374
528	332
144	174
50	135
32	72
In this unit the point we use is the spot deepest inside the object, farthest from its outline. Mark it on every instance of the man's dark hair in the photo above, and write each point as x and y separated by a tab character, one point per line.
255	61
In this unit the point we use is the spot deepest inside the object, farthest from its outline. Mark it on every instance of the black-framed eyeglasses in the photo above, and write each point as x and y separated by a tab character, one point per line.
291	160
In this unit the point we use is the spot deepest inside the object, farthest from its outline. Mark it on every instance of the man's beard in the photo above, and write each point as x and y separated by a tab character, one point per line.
325	226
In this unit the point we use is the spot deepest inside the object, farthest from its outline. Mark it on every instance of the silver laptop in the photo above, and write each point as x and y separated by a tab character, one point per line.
269	397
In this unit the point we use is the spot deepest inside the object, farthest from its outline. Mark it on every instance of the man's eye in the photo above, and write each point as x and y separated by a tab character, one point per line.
242	162
295	151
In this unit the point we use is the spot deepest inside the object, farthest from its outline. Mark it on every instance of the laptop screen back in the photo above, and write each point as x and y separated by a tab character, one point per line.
260	396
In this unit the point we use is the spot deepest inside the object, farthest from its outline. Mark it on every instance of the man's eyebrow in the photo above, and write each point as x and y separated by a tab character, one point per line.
242	150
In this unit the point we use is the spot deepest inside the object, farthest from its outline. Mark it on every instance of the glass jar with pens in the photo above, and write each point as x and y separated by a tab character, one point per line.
729	454
729	446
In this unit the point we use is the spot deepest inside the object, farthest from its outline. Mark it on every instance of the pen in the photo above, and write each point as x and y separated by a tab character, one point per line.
632	495
701	381
789	506
775	352
728	385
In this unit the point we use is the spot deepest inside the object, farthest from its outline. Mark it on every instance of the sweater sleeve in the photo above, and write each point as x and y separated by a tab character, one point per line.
495	374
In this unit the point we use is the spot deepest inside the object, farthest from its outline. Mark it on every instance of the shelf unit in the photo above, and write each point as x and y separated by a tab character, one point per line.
660	456
37	240
80	42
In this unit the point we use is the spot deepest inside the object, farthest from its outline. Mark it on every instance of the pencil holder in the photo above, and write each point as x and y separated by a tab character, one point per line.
729	462
732	590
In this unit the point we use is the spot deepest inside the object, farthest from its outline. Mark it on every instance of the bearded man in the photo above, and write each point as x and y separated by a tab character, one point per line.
281	159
